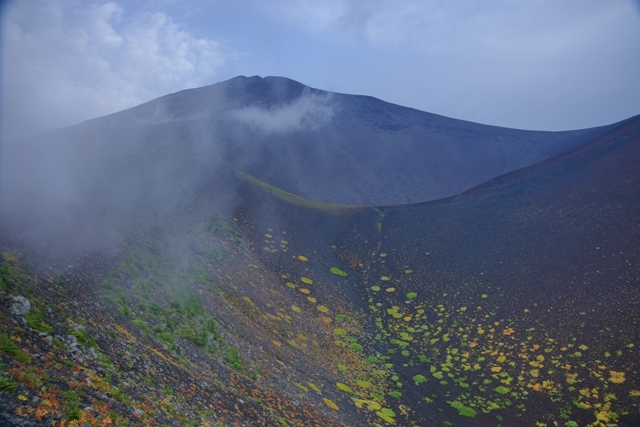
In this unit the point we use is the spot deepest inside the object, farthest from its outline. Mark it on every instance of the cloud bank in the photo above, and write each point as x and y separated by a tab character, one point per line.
64	60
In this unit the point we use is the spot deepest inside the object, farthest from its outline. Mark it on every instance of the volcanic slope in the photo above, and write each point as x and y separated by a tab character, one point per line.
326	146
514	303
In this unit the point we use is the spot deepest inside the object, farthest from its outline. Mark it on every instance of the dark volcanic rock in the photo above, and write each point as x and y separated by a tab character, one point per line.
545	254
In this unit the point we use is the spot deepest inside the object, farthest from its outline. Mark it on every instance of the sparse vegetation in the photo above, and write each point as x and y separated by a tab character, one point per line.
222	311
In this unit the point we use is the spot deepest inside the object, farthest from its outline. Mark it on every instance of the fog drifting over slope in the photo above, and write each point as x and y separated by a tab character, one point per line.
308	112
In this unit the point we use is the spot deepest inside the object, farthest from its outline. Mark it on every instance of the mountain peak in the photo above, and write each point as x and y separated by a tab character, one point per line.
331	147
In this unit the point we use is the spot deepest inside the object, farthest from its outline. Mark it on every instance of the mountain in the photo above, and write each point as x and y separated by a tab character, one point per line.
330	147
350	149
173	281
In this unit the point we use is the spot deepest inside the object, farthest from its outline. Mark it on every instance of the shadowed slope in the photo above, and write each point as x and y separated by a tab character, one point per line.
518	299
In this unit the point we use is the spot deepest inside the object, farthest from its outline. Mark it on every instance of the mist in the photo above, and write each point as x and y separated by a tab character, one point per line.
308	112
86	187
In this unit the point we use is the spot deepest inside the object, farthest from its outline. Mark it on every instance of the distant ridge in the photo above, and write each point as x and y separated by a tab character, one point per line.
338	148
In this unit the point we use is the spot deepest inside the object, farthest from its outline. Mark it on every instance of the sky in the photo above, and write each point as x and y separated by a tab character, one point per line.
541	64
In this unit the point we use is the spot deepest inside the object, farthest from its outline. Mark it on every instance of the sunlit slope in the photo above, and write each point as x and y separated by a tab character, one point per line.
183	323
515	302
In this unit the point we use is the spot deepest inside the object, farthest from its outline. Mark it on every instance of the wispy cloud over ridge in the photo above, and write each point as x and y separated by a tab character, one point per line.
309	111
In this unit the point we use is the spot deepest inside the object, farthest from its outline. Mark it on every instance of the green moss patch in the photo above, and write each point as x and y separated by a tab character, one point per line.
465	411
338	272
419	379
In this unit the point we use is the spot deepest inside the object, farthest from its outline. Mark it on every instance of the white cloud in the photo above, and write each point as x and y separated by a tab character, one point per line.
309	111
65	61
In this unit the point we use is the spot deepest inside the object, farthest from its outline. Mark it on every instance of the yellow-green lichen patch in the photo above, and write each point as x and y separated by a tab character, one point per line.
616	377
419	379
314	387
331	404
296	308
501	390
312	300
375	288
371	405
302	387
385	278
306	280
305	291
391	290
322	308
344	387
385	417
463	410
355	346
303	258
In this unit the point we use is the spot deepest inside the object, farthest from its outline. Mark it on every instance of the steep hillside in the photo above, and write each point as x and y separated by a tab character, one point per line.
169	283
515	302
530	287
